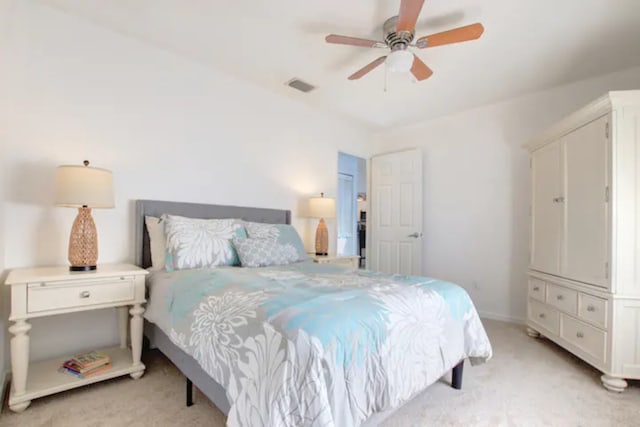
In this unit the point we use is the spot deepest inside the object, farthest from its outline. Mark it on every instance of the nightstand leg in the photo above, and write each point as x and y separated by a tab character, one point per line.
123	324
136	339
19	363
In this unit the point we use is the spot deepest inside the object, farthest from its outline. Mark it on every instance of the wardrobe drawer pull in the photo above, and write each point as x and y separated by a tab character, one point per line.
541	315
591	308
536	288
579	335
85	294
560	297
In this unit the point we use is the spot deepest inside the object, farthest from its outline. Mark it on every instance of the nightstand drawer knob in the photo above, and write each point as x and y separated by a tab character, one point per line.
591	308
85	294
579	335
560	297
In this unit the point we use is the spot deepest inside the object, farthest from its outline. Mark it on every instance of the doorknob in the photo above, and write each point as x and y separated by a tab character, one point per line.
415	235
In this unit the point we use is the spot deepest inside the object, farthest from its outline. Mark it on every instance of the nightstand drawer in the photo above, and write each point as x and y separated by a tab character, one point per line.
347	260
344	261
60	295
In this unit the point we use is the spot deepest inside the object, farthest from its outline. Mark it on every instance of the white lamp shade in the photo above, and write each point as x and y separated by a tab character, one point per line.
399	61
322	207
78	186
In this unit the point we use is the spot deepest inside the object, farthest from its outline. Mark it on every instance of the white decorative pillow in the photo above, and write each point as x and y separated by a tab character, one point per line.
264	252
284	234
200	243
157	241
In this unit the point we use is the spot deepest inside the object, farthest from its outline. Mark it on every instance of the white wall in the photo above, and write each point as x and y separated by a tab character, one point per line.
362	175
6	9
168	128
476	188
4	293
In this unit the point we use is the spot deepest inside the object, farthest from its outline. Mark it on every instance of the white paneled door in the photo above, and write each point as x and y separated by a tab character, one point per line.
586	252
547	208
396	213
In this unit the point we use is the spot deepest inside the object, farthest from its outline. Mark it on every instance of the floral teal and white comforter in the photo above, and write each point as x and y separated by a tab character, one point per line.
316	345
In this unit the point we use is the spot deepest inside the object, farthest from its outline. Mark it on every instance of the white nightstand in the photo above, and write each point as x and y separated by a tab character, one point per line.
350	260
38	292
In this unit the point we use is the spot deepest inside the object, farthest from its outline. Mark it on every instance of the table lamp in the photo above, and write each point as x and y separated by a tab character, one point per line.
83	187
322	207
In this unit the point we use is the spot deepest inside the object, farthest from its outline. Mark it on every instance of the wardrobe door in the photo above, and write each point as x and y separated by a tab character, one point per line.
586	226
546	209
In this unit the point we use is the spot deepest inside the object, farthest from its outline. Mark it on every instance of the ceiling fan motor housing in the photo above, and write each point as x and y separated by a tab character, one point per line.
396	40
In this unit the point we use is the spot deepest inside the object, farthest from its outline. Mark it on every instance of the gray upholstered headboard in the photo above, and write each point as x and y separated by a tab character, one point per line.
196	210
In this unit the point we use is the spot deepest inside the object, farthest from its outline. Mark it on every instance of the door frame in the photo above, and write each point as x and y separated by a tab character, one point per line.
354	217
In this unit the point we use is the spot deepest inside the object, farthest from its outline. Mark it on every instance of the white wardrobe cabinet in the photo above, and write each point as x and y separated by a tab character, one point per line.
570	205
584	289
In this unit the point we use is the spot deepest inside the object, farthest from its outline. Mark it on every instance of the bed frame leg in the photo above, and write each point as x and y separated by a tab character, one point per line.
456	376
189	393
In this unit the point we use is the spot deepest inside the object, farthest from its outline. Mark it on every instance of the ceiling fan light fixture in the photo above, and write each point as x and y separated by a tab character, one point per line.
399	61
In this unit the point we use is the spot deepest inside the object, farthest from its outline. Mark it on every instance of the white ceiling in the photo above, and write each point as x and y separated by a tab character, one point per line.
527	46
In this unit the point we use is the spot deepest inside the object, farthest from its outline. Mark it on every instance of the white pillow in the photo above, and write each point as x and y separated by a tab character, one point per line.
157	241
200	243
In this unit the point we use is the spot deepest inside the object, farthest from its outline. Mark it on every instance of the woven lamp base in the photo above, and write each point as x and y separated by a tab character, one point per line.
322	239
83	242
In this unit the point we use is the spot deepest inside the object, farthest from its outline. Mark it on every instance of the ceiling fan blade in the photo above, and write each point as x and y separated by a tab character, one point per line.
457	35
419	69
408	16
352	41
364	70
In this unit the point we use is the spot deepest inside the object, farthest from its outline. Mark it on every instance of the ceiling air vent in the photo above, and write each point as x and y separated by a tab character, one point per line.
300	85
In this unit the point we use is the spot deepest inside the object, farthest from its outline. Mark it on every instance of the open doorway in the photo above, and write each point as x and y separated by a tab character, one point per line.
352	206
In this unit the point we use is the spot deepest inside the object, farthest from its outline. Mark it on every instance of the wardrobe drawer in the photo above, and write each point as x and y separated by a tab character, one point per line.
69	295
537	289
587	338
593	309
563	298
544	316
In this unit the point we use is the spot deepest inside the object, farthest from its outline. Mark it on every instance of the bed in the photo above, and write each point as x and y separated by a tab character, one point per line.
304	344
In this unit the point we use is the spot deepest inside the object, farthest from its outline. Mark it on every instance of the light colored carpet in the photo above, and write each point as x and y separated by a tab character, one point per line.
529	382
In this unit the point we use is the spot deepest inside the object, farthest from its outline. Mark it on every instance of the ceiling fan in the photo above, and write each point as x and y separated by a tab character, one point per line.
399	33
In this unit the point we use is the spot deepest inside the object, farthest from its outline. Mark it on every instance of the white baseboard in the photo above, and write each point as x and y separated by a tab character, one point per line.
4	387
501	317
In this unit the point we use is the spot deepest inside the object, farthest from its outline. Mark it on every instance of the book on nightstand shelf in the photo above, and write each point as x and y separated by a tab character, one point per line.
87	364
